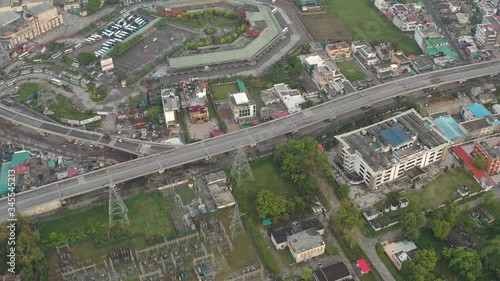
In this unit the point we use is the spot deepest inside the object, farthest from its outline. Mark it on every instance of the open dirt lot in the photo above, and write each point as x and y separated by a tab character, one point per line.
325	27
135	58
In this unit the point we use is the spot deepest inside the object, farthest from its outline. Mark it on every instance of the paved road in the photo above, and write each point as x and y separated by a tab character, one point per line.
429	5
338	108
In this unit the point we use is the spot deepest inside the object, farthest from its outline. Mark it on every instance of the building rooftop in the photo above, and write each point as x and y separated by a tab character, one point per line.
314	60
448	126
240	98
334	272
215	177
7	18
402	58
492	146
476	124
249	52
378	144
42	8
478	110
169	100
221	195
280	235
305	240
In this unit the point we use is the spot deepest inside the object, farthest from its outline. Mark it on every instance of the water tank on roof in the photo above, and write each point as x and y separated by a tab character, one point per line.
394	120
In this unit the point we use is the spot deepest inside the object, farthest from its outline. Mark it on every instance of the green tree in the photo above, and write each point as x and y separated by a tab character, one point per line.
295	67
306	274
300	159
101	92
85	58
479	161
278	72
66	59
270	205
153	113
440	228
348	216
421	267
93	6
411	224
488	198
343	191
465	262
490	255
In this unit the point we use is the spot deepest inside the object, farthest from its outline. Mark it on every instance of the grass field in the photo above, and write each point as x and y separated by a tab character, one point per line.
351	70
366	23
221	92
266	177
442	189
26	90
326	27
147	214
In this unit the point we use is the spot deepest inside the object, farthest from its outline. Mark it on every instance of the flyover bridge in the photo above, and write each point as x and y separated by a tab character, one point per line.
37	199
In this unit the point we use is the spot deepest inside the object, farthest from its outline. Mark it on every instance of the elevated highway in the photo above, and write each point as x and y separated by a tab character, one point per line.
32	200
19	116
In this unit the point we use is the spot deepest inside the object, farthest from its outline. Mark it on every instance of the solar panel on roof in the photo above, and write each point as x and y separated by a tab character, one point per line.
396	136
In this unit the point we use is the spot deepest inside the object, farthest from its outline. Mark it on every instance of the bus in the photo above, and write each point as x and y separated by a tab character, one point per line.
131	18
68	51
123	11
142	24
84	87
7	102
37	61
119	37
26	71
89	41
274	11
56	82
285	30
78	46
67	87
11	82
56	55
99	37
74	81
23	55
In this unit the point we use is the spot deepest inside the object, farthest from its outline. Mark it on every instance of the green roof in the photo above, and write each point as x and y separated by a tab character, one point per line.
241	86
436	42
19	158
4	175
250	51
266	222
421	4
445	50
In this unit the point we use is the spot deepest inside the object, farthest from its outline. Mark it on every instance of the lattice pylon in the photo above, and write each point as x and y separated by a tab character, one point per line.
118	211
241	170
236	226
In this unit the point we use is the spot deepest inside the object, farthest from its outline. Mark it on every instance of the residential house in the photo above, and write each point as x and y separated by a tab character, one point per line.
242	108
193	98
488	8
312	62
443	8
334	272
402	19
399	252
280	236
338	51
474	111
490	148
487	33
324	76
423	63
356	45
306	245
291	98
384	51
34	21
477	127
426	32
138	120
383	70
401	60
171	105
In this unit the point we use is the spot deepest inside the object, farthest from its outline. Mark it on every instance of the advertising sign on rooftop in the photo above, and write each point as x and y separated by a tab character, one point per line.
107	64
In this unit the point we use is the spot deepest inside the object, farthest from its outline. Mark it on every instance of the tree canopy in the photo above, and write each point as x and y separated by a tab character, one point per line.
411	224
348	215
490	255
465	262
343	191
93	6
306	274
270	205
442	220
421	267
479	161
300	159
85	58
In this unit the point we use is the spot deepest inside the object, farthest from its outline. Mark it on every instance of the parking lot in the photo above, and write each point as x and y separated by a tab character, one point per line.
135	58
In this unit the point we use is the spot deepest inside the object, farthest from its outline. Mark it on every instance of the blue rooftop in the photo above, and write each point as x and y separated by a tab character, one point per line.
396	136
495	122
478	110
449	127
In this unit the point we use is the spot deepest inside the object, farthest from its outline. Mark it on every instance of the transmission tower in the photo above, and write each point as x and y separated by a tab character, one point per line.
241	170
117	209
236	225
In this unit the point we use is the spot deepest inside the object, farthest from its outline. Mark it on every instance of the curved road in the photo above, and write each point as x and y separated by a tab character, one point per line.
31	200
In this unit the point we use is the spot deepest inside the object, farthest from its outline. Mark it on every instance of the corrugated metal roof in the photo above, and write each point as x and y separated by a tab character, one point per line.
478	110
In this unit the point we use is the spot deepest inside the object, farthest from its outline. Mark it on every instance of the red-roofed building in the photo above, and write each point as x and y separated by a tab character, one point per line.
138	120
478	173
363	266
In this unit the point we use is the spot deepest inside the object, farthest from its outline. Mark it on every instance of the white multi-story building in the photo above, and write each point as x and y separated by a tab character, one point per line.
392	149
402	19
242	107
171	105
426	32
291	98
